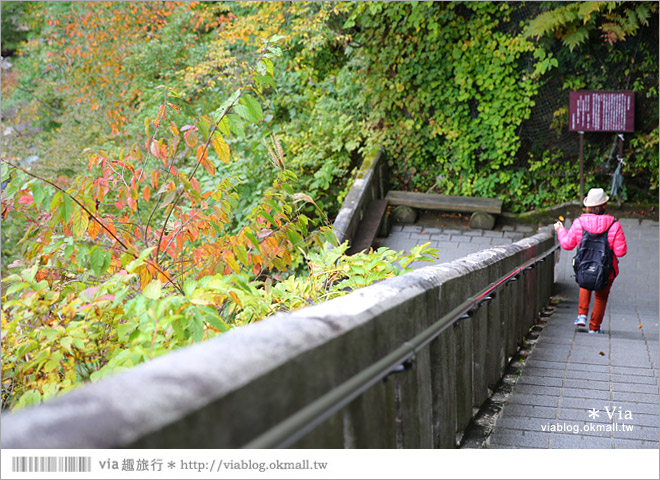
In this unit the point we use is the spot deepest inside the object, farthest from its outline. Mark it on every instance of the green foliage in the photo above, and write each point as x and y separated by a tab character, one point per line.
56	338
574	22
14	26
142	255
149	252
448	90
447	87
112	230
604	61
644	157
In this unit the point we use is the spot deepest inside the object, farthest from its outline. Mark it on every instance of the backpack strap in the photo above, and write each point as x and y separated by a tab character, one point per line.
613	222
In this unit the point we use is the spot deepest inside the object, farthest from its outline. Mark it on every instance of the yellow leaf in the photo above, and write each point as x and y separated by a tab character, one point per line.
221	147
80	222
153	289
231	261
208	166
199	301
145	277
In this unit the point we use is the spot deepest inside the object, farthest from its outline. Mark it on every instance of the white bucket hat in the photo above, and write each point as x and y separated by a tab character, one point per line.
595	197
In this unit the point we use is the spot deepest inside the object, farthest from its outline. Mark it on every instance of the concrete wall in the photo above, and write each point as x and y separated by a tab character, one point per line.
225	392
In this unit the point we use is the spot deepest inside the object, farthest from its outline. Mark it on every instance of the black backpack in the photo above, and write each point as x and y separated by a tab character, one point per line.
594	260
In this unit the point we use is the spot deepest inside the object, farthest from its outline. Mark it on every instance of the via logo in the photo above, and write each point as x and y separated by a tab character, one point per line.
613	413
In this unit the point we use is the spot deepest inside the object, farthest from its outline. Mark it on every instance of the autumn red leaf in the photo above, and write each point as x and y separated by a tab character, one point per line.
93	229
235	298
191	138
154	179
109	224
159	151
161	113
26	199
202	156
195	184
202	153
89	293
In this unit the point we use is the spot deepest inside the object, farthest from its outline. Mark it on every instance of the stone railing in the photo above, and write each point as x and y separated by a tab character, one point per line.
231	390
369	184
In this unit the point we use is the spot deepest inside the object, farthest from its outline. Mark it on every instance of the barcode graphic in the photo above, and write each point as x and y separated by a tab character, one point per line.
51	464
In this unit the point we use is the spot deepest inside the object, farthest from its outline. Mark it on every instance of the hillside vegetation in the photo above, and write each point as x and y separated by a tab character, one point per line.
171	169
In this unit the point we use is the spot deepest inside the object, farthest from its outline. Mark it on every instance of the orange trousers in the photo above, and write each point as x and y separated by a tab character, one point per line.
600	302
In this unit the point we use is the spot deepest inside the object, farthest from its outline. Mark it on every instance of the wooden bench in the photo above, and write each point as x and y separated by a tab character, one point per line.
447	203
368	227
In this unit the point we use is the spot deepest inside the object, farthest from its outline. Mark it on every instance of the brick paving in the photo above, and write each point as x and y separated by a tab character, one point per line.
452	242
571	378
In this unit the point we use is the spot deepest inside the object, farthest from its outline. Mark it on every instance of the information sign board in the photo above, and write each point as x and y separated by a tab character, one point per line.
601	111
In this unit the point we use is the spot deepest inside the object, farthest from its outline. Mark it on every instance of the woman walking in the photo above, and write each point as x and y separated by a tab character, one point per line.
594	221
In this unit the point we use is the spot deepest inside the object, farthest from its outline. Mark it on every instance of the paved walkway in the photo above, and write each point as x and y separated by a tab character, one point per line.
576	390
452	242
579	390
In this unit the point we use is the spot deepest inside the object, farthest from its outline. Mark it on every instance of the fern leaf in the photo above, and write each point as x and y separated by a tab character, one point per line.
613	32
630	22
643	14
576	37
587	8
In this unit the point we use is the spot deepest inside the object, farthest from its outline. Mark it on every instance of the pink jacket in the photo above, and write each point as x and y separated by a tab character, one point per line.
569	239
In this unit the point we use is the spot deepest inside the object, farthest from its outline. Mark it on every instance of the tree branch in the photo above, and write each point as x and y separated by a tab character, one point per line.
93	217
